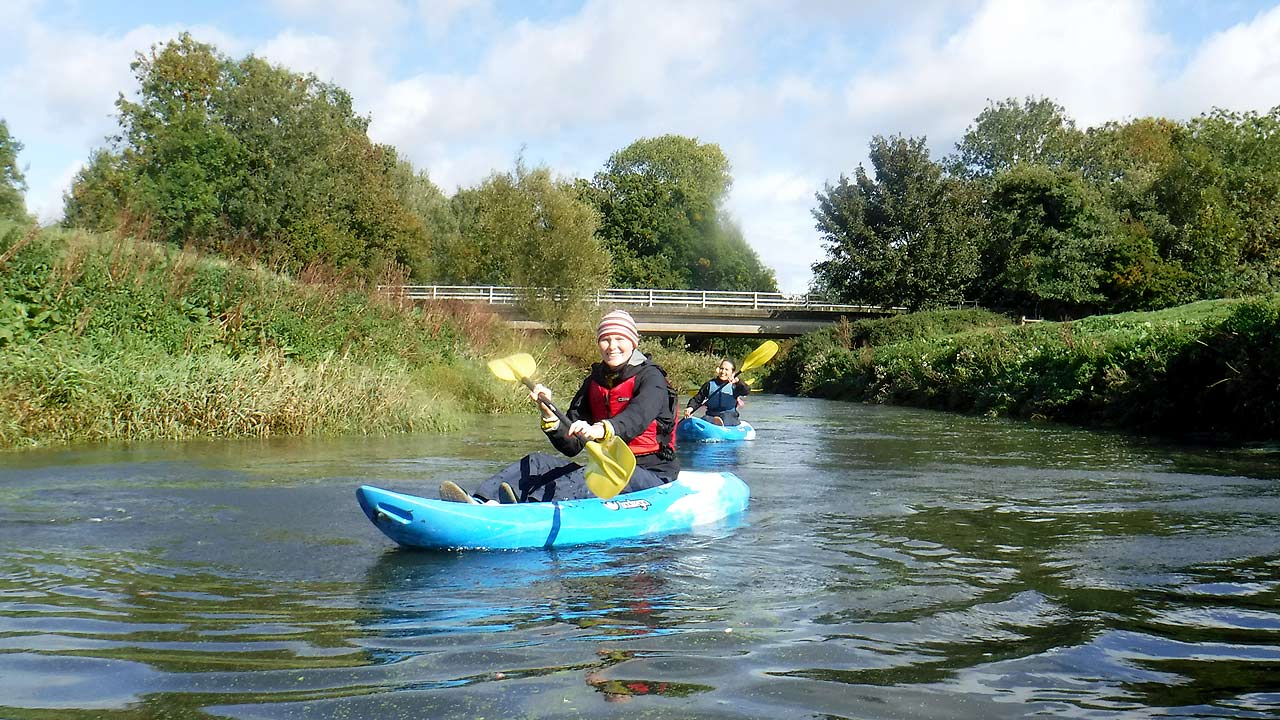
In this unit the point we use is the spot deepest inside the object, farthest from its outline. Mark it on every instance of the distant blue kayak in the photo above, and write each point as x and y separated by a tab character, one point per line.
693	429
695	498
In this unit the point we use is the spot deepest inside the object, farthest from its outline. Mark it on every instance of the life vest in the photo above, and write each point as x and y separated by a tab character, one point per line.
607	402
720	398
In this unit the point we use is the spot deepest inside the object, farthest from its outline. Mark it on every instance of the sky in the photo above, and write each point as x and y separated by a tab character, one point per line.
791	92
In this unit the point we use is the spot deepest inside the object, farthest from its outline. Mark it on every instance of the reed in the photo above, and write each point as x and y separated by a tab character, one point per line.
104	337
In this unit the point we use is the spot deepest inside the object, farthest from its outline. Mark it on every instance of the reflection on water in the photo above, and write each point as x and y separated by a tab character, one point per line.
894	563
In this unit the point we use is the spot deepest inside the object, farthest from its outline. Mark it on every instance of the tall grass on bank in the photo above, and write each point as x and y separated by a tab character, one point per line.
1210	368
103	337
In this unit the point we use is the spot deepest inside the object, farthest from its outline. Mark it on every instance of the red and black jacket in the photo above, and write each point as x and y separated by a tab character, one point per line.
638	402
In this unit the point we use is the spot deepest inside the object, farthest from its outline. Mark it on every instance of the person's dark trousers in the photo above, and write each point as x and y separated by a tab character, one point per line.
729	417
541	477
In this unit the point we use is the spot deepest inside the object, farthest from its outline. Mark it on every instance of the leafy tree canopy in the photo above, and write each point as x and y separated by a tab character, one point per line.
1141	214
659	201
246	156
904	237
1007	133
523	228
12	183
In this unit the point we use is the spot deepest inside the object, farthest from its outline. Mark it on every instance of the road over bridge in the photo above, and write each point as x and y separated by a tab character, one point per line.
672	312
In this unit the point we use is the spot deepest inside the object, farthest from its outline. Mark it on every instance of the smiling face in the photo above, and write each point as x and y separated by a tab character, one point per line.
724	373
615	350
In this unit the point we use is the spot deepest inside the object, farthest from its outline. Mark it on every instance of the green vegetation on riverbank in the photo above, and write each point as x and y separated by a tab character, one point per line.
106	338
1208	368
111	338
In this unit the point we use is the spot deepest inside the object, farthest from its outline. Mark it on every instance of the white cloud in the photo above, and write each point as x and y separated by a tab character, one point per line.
792	94
45	202
1096	58
444	16
59	98
349	62
1238	69
773	208
374	17
610	63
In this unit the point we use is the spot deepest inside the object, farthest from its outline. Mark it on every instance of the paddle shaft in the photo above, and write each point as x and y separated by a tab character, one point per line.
547	403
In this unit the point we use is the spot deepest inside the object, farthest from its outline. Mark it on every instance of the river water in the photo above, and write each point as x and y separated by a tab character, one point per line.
894	563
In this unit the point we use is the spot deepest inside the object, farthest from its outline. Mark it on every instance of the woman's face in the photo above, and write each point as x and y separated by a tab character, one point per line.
724	373
615	350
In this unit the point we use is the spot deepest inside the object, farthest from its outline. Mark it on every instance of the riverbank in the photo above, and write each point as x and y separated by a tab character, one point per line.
107	338
1208	370
110	338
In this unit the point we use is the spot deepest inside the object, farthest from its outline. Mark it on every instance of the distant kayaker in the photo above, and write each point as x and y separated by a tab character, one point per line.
722	395
624	395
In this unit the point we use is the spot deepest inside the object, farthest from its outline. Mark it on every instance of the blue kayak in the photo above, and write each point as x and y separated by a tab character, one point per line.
693	429
695	498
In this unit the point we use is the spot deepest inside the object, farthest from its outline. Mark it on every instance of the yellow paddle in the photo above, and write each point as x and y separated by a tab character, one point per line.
759	356
610	463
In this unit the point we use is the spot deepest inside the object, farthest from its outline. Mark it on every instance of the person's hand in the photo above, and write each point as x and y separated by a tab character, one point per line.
586	430
540	395
540	392
688	412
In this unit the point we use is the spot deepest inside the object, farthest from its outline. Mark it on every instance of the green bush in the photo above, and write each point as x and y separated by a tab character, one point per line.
798	368
1209	368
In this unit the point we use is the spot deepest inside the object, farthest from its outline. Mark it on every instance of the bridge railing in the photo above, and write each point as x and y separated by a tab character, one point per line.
637	297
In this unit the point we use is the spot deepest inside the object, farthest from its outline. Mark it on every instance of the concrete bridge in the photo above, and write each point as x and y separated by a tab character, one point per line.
690	313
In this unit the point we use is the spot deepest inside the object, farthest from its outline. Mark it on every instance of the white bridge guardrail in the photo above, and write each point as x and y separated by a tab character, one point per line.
635	297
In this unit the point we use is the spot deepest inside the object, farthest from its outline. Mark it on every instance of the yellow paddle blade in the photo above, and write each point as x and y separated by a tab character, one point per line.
609	467
513	368
759	356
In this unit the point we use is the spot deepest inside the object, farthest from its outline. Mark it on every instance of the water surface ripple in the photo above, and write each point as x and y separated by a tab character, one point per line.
894	564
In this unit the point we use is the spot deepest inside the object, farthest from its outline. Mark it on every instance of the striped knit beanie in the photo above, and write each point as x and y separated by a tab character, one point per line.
618	322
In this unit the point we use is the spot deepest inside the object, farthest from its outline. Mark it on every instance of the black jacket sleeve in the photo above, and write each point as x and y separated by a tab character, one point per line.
698	400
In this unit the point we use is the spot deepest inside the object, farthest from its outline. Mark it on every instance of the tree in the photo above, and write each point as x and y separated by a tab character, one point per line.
1136	167
98	196
1235	234
12	183
659	201
248	157
528	229
906	237
425	201
1008	133
1195	203
1049	242
726	261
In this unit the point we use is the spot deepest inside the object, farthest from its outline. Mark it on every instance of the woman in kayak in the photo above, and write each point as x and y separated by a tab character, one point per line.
721	395
625	395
